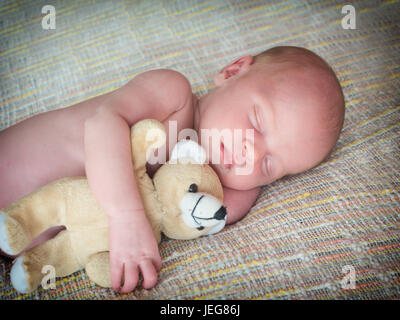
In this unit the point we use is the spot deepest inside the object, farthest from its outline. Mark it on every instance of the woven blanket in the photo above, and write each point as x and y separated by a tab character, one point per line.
329	233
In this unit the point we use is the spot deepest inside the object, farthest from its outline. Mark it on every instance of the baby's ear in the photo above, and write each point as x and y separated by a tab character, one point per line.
239	66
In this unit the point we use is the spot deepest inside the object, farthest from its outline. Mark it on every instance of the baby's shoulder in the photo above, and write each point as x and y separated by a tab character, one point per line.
164	82
169	89
152	94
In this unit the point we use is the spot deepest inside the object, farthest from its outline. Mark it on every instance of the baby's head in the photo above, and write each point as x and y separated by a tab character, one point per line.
275	114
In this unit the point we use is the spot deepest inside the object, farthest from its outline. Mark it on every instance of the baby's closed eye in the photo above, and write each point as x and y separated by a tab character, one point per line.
266	166
256	119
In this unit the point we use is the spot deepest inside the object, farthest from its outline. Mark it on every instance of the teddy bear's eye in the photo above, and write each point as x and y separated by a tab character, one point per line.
193	187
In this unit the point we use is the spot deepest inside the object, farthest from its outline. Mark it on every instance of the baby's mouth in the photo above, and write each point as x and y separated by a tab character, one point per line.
224	158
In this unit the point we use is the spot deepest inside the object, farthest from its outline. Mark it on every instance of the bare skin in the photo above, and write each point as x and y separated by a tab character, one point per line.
92	138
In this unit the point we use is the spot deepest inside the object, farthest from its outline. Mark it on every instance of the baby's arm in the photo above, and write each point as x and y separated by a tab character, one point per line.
238	202
154	94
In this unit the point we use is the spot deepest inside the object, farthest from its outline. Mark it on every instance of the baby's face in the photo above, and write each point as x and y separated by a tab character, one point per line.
275	110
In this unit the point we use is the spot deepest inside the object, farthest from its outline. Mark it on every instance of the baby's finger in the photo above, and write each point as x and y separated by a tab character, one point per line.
131	277
149	274
116	274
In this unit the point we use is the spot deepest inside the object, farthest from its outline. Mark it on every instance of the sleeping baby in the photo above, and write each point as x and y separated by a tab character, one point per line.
274	114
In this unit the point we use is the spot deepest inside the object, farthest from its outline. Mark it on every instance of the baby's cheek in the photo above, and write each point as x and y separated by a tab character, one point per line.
241	182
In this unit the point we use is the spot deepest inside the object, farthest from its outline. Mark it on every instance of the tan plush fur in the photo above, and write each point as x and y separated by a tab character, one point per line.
69	202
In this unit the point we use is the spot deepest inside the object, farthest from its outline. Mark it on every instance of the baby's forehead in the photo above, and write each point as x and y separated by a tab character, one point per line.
298	97
290	71
294	82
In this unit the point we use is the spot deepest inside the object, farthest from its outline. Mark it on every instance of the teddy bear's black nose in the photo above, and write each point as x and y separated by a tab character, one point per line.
220	214
193	187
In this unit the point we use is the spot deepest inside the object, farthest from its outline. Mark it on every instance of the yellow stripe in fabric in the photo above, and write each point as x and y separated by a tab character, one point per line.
317	202
367	137
13	6
66	32
22	26
174	13
180	262
381	114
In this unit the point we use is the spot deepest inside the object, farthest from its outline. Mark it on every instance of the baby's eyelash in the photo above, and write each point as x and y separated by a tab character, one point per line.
268	167
257	117
264	167
255	120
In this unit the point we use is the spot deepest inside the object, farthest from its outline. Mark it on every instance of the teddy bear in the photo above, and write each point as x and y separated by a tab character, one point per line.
183	200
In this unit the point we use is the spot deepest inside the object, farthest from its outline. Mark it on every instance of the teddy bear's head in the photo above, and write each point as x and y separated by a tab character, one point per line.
190	193
186	194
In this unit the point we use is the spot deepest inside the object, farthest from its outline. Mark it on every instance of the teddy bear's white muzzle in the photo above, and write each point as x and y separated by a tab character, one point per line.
201	210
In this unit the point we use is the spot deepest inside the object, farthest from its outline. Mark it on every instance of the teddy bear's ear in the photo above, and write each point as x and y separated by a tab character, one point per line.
188	151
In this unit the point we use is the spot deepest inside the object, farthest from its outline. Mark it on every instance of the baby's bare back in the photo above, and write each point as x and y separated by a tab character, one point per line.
41	149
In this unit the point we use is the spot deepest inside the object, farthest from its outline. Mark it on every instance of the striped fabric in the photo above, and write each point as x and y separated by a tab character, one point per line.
306	232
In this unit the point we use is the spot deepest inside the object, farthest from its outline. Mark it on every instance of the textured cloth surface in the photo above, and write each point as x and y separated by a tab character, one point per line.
304	229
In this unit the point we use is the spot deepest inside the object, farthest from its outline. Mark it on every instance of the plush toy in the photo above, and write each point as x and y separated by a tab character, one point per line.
183	201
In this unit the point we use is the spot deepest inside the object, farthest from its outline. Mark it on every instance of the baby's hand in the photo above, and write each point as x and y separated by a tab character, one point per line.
132	246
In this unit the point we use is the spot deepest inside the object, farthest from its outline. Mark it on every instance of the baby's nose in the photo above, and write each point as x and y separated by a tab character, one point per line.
247	153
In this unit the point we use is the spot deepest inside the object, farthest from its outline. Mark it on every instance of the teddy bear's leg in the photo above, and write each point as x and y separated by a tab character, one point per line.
26	272
24	219
13	237
18	276
98	269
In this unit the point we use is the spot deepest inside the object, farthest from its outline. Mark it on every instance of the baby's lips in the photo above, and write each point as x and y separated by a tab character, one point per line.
225	155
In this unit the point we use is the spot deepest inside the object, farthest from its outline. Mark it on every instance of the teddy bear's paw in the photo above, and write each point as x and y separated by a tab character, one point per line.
98	269
18	276
13	238
4	244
